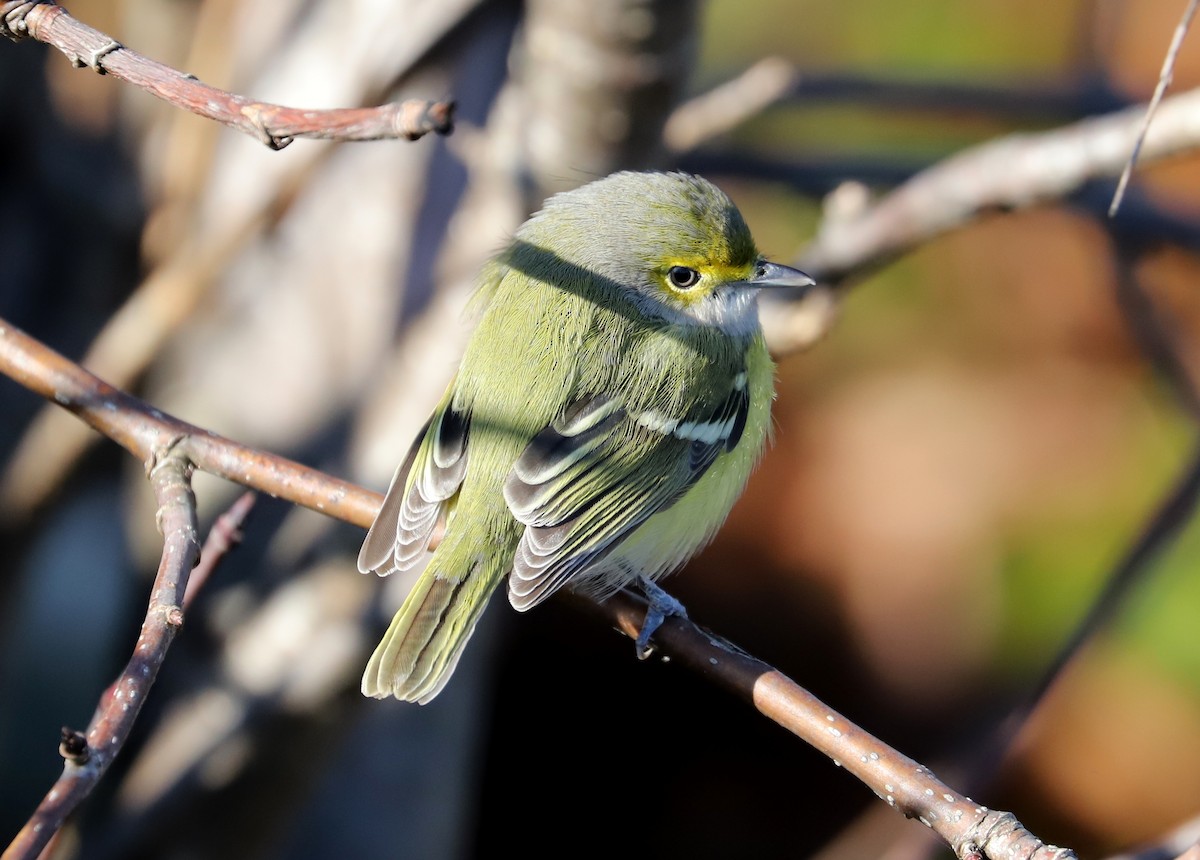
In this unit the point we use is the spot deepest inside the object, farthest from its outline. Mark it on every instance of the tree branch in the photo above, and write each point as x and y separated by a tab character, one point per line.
1013	172
88	754
142	430
274	125
971	830
1164	80
225	534
729	104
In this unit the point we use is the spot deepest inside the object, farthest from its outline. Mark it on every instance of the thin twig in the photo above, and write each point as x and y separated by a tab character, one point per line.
1172	514
1164	80
274	125
1176	509
88	754
201	249
225	534
775	80
1032	98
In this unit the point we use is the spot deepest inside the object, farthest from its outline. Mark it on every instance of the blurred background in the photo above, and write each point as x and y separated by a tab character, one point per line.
960	459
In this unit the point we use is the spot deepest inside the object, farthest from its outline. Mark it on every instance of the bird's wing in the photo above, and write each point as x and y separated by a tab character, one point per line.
588	480
426	480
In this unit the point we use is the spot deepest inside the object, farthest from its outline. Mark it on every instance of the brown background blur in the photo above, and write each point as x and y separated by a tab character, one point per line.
957	464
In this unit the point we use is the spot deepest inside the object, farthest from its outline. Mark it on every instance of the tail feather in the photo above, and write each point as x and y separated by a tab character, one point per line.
422	646
440	656
395	655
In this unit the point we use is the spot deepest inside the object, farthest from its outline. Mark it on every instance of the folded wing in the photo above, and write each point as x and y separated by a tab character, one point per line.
590	479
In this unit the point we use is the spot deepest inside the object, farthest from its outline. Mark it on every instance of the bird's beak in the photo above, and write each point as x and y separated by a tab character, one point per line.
768	275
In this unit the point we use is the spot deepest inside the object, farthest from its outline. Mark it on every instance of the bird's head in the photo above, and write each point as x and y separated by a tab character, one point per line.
671	243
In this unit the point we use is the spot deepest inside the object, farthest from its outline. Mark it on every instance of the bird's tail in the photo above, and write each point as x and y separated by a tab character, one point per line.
420	650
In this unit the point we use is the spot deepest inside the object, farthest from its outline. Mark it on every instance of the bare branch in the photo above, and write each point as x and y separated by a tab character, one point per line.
1014	172
1174	512
274	125
730	104
1017	171
973	831
89	754
142	430
204	250
1164	80
225	534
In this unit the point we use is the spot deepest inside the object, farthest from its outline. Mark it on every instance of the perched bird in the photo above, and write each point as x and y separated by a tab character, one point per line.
608	410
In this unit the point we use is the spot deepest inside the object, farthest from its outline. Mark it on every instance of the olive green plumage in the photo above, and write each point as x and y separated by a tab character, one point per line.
609	408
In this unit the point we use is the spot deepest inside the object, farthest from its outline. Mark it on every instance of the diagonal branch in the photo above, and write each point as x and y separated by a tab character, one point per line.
142	430
1174	511
88	754
223	536
1164	80
972	830
1013	172
858	235
274	125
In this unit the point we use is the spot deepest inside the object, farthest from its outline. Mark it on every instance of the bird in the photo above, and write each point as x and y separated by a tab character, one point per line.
609	407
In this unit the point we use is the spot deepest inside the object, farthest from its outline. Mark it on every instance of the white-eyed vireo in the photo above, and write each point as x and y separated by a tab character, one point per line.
609	408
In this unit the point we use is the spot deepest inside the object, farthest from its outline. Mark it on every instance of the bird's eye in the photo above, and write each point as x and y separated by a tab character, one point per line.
683	278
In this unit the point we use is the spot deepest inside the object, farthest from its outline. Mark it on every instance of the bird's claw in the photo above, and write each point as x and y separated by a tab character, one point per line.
661	605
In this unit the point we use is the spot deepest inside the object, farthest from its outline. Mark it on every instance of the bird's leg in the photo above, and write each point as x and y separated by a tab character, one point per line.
660	606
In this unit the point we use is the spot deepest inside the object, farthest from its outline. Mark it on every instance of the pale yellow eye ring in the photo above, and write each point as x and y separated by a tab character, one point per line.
682	278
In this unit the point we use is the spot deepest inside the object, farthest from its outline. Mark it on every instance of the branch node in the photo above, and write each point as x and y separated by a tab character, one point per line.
174	616
93	57
254	114
73	746
1000	834
158	456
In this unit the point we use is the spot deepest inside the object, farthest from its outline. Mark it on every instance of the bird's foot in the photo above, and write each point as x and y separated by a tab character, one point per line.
660	606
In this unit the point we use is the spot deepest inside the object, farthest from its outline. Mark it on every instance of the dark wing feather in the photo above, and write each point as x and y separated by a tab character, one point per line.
430	476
